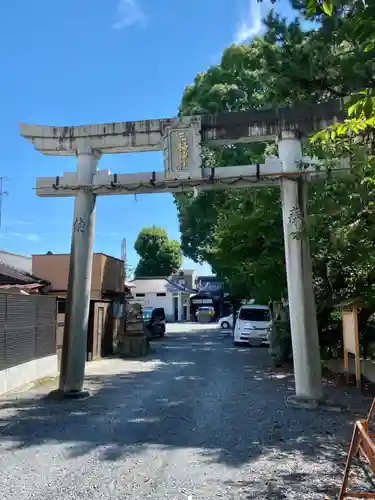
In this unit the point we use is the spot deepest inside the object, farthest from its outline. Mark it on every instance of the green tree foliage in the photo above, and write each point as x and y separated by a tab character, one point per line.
159	256
239	232
355	28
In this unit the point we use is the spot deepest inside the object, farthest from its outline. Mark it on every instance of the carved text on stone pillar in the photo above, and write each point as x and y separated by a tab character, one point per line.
295	217
79	225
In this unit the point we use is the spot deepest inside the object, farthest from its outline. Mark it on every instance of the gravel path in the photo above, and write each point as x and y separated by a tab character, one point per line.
199	419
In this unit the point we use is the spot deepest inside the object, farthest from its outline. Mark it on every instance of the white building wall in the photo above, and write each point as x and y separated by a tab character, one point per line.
152	300
16	260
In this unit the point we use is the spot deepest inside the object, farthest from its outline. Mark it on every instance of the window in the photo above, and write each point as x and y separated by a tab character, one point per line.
61	306
161	294
140	294
254	314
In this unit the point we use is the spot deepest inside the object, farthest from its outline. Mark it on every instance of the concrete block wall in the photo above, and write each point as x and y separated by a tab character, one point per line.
26	373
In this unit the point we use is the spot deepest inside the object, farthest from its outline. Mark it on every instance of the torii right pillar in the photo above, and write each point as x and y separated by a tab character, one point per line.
302	308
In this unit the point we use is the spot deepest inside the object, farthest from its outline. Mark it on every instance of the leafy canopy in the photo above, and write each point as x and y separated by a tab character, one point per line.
239	232
159	256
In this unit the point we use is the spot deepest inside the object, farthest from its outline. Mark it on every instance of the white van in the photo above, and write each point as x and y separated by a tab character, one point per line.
253	326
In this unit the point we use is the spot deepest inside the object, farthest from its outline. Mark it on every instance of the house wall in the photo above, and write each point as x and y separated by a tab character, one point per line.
102	328
152	300
107	272
16	260
27	339
187	279
53	268
113	273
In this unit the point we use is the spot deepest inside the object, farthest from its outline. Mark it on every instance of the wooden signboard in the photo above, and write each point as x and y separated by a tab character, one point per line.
351	341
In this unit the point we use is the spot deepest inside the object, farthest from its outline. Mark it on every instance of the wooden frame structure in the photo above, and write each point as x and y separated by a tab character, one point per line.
361	444
349	314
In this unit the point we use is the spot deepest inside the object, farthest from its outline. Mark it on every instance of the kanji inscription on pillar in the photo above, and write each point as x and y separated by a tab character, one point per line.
79	225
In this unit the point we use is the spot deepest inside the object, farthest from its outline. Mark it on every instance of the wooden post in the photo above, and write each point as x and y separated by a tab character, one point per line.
357	354
351	341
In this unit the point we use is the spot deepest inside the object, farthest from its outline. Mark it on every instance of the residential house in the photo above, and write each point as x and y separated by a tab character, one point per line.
13	280
107	297
107	279
210	292
185	278
172	293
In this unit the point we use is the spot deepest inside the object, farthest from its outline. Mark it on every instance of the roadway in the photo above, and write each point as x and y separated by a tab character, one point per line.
197	419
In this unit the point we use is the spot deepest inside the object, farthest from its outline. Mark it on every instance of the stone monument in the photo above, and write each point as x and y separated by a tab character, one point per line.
132	341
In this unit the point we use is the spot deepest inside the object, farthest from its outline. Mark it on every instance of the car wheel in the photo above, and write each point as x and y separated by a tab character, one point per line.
237	344
225	325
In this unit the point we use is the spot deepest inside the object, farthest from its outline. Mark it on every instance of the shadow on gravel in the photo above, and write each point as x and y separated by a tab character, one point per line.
225	402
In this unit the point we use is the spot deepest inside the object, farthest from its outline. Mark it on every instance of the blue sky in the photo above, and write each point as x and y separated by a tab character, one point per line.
87	61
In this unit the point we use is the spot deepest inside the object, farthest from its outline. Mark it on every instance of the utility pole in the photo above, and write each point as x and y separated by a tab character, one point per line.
2	193
123	255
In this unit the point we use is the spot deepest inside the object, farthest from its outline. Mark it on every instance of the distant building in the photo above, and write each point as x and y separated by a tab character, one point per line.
107	279
210	292
172	293
21	262
210	284
107	295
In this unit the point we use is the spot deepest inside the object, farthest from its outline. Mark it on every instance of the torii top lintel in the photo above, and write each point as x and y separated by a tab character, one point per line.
216	130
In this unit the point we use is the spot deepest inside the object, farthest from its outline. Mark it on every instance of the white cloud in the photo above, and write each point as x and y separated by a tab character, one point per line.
251	25
32	237
20	222
26	236
129	12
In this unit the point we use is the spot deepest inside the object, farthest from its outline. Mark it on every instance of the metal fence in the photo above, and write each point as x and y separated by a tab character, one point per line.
27	328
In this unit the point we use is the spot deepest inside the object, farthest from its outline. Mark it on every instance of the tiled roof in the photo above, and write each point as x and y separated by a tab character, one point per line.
29	286
15	274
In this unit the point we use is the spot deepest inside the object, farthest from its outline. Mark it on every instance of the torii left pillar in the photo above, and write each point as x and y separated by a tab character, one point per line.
72	370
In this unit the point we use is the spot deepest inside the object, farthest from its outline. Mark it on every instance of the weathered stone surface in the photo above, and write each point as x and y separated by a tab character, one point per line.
216	130
132	342
260	125
134	346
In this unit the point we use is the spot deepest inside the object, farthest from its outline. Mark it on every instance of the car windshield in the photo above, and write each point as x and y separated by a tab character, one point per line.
254	314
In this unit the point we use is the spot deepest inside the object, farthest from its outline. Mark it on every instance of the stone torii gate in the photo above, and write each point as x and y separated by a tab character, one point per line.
181	141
